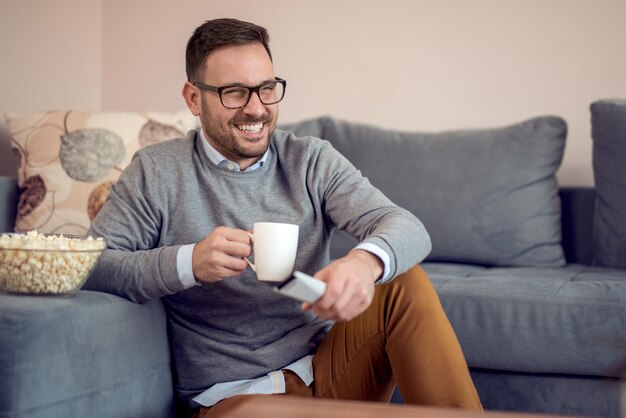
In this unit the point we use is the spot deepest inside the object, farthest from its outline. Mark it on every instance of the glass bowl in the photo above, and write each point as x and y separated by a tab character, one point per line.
34	263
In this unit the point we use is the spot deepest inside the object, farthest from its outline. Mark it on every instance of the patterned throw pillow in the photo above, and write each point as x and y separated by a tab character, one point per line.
67	161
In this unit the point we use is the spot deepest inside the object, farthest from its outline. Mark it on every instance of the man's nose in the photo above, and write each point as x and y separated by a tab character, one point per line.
254	105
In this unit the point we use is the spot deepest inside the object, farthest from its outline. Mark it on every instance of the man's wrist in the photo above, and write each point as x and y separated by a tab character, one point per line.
382	256
374	264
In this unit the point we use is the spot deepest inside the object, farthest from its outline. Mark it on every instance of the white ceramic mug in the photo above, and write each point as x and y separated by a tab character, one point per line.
274	249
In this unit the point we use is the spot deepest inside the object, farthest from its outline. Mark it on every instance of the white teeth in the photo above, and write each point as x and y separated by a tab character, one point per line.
250	128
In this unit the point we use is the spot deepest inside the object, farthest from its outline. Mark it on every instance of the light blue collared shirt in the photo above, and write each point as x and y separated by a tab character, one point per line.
221	161
273	382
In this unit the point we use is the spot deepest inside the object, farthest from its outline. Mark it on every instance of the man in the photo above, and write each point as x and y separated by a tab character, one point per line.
176	224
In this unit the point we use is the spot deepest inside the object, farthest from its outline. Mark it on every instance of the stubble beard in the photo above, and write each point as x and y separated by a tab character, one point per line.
227	140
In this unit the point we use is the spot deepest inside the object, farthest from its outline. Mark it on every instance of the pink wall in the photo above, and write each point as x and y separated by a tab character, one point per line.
445	64
50	58
51	54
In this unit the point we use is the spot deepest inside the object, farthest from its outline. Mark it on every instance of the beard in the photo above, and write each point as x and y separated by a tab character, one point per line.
226	140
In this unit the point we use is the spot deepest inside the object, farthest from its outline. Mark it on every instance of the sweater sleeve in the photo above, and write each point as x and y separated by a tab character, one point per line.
133	265
353	204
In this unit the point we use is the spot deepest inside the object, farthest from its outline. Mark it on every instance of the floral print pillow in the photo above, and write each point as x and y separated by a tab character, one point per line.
68	161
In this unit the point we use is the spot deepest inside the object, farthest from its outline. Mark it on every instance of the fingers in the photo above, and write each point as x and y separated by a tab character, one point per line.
348	292
220	254
236	242
344	305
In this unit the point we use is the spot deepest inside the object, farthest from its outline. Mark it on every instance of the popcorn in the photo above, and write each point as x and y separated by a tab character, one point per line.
39	263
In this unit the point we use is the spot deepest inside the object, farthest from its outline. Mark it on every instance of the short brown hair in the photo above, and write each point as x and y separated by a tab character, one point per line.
217	33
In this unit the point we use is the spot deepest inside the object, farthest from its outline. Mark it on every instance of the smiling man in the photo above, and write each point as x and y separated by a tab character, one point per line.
242	136
176	224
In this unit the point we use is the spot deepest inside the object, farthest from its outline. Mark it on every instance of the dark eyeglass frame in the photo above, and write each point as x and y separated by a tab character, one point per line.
251	89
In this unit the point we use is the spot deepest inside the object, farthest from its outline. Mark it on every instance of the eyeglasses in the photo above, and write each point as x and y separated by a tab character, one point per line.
236	96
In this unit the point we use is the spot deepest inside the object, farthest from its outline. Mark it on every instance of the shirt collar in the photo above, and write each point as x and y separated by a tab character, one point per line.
219	160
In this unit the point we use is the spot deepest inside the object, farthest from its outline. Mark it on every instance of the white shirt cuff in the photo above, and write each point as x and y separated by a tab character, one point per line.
380	253
184	266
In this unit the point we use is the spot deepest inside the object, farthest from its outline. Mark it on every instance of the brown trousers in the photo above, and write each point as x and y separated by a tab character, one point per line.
403	338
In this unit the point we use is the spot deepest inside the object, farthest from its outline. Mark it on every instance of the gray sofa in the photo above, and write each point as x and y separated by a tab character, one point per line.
530	278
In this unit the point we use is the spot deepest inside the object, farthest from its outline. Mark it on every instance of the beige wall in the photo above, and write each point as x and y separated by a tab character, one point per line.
51	58
51	54
410	65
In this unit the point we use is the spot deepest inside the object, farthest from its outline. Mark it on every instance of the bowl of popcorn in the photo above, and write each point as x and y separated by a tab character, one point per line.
35	263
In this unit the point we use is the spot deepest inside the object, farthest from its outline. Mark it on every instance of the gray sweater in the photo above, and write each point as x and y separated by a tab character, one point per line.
238	328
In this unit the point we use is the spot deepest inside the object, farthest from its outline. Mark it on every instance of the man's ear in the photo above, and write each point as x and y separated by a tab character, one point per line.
191	95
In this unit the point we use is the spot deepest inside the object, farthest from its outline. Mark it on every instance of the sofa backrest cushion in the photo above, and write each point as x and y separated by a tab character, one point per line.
486	196
577	205
9	195
67	161
608	127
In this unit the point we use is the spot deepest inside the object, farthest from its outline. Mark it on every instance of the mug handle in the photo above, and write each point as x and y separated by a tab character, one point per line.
252	266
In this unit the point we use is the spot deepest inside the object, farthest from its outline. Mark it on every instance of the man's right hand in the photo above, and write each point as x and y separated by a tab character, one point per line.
220	254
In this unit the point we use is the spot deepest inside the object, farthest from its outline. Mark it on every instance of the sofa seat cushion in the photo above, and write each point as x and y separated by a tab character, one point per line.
89	354
542	320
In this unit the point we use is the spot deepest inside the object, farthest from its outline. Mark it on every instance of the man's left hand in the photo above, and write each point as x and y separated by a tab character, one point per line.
349	286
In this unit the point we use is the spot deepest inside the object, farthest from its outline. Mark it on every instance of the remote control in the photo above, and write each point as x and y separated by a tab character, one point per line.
302	287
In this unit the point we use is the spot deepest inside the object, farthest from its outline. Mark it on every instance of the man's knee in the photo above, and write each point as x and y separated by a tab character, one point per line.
412	291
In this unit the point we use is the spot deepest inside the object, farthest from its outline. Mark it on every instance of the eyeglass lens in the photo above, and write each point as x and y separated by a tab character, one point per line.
269	93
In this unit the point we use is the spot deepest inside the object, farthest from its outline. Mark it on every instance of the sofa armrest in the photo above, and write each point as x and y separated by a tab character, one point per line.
9	196
88	354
